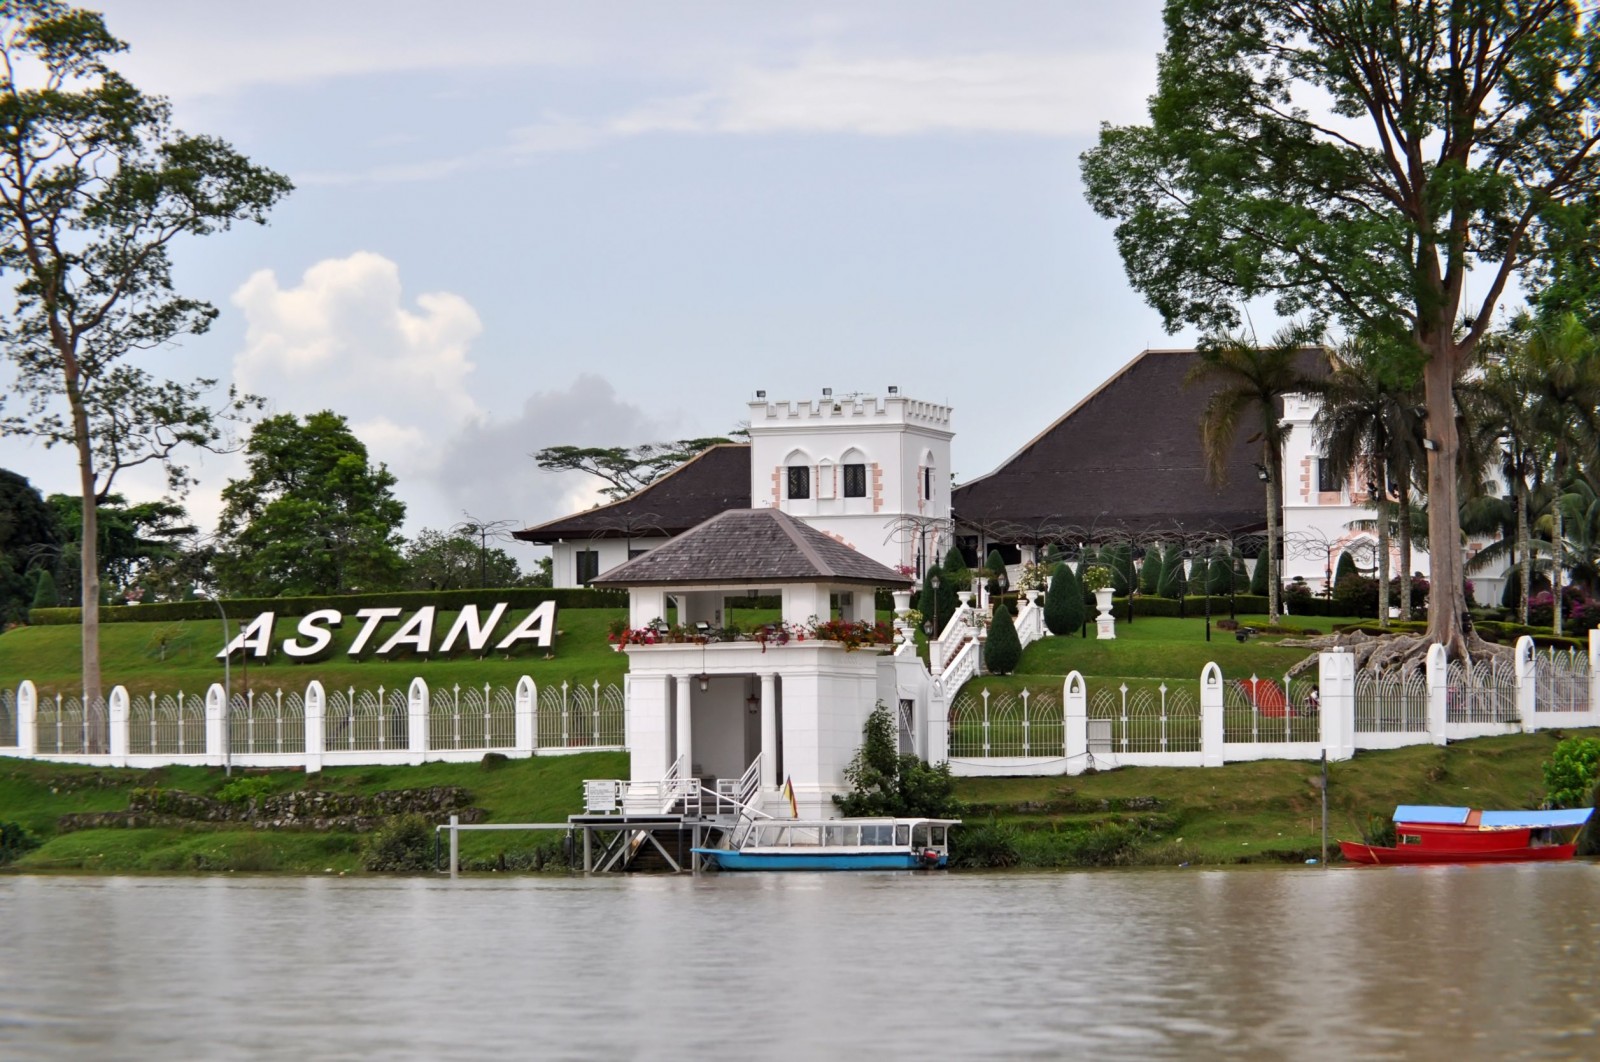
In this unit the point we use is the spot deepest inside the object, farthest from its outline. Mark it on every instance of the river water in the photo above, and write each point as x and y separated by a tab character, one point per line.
1482	962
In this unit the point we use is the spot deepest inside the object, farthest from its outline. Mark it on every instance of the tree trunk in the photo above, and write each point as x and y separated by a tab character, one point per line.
1557	562
1404	499
1383	557
1446	599
1274	477
89	558
1524	546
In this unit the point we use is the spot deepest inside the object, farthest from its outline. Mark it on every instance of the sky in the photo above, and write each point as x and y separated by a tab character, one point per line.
527	224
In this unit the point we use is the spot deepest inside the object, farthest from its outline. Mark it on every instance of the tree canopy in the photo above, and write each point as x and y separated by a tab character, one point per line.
1361	161
30	541
626	469
95	188
312	516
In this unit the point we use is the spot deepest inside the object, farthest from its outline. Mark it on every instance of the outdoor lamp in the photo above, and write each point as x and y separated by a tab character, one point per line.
1262	474
705	681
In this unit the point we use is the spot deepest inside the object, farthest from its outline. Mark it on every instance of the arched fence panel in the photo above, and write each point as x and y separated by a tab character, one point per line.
8	718
1485	694
581	716
271	721
65	727
990	723
1270	711
173	725
366	721
477	717
1561	680
1144	718
1391	701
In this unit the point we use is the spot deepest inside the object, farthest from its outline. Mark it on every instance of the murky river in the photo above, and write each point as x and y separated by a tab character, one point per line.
1446	962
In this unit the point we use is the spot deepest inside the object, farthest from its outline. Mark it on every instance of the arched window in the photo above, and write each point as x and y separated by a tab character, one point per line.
797	474
853	474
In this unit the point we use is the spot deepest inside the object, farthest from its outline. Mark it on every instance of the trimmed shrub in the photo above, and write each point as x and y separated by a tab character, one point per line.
1063	602
1174	583
1003	651
404	843
44	591
1150	570
1258	580
1345	567
1119	558
1356	595
515	597
955	566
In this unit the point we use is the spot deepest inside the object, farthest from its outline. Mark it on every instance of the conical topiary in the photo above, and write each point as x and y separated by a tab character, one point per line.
1063	602
1346	566
1003	651
1220	574
44	591
1150	570
1258	581
994	565
1241	575
1174	583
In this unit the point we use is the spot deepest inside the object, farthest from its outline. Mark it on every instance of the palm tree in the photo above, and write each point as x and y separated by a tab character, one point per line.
1563	360
1371	423
1249	383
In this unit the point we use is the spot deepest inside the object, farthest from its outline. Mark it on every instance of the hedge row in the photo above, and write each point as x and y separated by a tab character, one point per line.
249	607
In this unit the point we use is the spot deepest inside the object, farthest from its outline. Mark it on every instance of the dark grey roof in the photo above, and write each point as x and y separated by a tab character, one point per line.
762	546
1128	457
715	480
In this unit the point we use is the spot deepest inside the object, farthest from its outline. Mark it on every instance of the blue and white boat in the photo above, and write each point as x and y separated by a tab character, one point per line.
836	844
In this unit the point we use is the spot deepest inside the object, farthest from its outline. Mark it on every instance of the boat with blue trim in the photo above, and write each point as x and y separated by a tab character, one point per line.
1428	834
836	844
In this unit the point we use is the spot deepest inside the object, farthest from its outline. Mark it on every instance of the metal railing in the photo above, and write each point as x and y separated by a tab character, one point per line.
8	718
1392	701
1144	718
174	725
987	723
272	722
472	718
367	721
1269	711
580	716
64	726
1561	680
1485	694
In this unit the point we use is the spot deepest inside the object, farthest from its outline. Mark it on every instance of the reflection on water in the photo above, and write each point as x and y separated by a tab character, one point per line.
1427	962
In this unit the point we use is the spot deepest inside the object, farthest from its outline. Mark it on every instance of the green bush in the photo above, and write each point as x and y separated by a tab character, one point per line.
1174	583
1003	650
1063	602
15	841
1150	572
244	790
984	846
885	782
515	597
44	591
1570	772
405	843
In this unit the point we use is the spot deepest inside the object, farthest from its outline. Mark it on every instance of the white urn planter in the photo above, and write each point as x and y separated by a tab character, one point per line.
1104	625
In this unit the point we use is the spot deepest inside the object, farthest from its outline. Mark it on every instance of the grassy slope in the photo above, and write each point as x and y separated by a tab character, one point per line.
1261	810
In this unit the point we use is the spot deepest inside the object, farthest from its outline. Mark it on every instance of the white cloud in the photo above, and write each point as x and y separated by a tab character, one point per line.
1041	95
343	339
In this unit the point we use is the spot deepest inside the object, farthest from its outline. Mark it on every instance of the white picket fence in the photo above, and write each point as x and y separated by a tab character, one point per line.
1217	719
316	728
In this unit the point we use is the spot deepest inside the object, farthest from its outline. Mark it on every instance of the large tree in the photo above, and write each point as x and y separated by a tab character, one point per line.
30	540
312	516
1361	160
95	188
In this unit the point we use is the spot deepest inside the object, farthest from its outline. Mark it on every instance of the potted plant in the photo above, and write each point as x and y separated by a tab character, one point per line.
1097	578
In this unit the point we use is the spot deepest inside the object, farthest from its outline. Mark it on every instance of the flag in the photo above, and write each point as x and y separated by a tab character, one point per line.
788	791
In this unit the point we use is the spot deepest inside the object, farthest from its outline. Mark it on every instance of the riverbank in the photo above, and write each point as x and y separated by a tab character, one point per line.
100	820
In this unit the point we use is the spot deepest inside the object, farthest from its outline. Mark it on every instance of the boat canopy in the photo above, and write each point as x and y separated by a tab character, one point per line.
1538	820
1431	815
1556	818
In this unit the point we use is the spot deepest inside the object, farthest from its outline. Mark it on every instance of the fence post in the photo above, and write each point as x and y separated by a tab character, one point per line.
316	709
1594	675
1438	693
938	724
1527	684
1212	737
417	724
216	705
117	712
1336	696
28	719
527	706
1075	706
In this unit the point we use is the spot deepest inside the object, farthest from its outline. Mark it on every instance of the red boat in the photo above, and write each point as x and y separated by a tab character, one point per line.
1425	834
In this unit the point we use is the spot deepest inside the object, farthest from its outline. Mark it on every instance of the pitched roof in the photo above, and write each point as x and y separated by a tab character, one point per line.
1127	457
715	480
760	546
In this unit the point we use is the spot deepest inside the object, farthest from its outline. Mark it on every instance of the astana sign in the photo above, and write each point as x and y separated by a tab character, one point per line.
315	631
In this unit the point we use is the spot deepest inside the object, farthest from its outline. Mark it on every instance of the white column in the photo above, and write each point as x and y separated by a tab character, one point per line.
769	730
685	725
1211	732
527	702
1438	693
216	728
417	720
1075	703
938	723
1527	689
316	708
117	710
1594	674
28	718
1336	697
